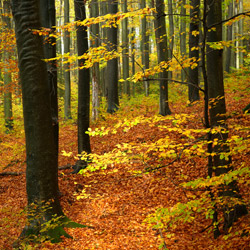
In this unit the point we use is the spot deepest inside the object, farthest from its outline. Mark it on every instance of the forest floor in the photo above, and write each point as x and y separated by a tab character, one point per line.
115	201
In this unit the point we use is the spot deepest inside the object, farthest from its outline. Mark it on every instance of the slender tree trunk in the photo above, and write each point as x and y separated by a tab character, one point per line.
8	114
132	53
162	52
103	68
67	83
42	169
171	32
217	114
125	51
83	81
94	12
183	45
241	54
145	46
112	65
193	91
229	38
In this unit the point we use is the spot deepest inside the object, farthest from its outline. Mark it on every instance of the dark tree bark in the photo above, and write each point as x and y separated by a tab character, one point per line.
112	65
162	52
48	20
42	169
193	92
217	113
83	81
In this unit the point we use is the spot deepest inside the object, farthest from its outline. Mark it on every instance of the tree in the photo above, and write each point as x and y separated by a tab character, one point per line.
171	32
48	20
217	112
83	84
125	51
67	84
42	169
162	52
145	46
94	12
193	91
183	46
8	115
112	65
229	38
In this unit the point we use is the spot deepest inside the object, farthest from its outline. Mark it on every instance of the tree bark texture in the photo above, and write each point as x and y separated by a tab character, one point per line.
125	51
112	65
83	81
217	113
48	20
67	82
42	169
162	53
8	114
95	42
145	47
193	91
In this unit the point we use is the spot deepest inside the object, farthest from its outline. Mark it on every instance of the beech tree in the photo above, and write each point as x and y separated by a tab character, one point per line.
217	112
83	84
42	169
162	52
112	65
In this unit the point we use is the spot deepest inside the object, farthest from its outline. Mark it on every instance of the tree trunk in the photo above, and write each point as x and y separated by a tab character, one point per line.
229	38
8	115
183	35
145	46
67	84
162	52
217	114
42	169
48	20
241	54
193	91
83	82
171	32
112	65
94	41
125	51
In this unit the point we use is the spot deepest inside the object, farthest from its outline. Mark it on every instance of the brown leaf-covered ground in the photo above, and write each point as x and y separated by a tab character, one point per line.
118	201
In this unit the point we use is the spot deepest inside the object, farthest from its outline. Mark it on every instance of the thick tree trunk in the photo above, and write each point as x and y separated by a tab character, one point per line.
48	20
162	52
42	169
112	65
217	114
193	91
83	81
